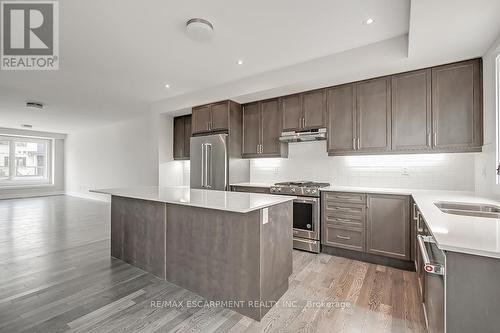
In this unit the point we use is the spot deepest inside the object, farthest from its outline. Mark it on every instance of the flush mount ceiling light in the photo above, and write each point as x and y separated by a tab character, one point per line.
167	86
368	21
199	29
240	62
35	105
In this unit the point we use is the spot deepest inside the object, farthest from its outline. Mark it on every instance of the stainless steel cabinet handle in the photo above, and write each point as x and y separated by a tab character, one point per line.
354	143
419	227
341	220
208	154
415	211
303	121
435	139
429	267
344	237
429	140
203	157
358	144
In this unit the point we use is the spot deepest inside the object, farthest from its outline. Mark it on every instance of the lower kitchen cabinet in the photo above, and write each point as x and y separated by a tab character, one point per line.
373	225
388	226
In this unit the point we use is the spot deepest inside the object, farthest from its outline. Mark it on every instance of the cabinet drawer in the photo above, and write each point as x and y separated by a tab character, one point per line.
336	220
344	237
346	197
344	210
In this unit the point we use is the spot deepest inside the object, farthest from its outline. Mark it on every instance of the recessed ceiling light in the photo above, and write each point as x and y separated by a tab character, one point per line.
240	62
369	21
167	86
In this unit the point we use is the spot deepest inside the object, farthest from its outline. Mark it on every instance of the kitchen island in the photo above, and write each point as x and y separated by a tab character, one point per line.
225	246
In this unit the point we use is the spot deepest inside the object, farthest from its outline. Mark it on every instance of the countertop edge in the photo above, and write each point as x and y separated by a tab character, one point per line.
278	200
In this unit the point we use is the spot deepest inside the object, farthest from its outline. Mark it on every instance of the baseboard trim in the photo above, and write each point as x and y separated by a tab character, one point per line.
368	257
90	196
29	195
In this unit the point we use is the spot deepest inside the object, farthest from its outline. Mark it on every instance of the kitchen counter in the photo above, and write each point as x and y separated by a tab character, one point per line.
464	234
265	185
220	200
224	246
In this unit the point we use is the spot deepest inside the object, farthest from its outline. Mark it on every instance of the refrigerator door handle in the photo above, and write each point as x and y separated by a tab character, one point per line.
208	165
203	157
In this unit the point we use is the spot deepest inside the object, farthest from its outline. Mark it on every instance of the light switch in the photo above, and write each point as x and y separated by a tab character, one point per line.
265	215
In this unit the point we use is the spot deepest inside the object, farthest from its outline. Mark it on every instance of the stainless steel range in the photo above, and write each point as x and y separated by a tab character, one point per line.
306	212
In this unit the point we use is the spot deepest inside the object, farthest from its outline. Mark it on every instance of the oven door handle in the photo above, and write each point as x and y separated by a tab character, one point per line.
304	200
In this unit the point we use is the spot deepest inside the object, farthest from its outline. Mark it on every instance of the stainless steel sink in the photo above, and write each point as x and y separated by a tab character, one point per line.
469	209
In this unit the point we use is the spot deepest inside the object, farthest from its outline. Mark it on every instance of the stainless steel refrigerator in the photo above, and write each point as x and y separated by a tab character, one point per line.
210	162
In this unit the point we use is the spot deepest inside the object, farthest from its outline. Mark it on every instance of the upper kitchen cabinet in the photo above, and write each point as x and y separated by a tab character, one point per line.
314	109
457	106
373	115
251	130
304	111
262	129
182	136
411	111
341	116
291	107
211	117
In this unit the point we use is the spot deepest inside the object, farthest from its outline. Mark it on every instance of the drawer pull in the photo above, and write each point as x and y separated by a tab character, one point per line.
345	209
344	237
341	220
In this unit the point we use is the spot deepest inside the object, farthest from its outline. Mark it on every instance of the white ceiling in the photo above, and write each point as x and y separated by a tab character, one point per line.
117	55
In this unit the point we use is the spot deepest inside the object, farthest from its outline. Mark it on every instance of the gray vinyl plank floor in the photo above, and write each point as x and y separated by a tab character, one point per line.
56	275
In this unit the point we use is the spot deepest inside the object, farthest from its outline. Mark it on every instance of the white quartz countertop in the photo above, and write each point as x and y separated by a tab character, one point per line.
220	200
253	184
457	233
359	189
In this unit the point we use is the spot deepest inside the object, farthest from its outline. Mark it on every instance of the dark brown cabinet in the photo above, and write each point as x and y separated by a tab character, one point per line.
341	119
211	118
262	129
438	109
304	111
378	225
373	115
457	105
291	107
182	136
388	226
411	111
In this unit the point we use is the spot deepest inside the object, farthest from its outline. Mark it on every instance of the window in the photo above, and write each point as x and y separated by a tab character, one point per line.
24	161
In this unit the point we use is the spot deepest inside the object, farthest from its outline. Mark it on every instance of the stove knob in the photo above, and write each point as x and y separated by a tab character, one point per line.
292	190
308	191
314	191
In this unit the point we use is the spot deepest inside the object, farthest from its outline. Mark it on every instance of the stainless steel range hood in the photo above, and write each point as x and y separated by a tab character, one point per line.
312	135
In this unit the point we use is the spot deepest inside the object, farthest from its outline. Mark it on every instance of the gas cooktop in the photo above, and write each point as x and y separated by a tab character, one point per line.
301	188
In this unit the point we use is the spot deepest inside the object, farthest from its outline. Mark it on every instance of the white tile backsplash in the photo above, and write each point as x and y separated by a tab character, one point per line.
309	161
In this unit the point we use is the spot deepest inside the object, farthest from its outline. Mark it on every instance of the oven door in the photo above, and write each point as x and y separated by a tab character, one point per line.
306	218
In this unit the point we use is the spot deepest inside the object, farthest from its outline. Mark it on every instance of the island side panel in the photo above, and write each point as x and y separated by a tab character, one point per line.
138	233
276	252
215	254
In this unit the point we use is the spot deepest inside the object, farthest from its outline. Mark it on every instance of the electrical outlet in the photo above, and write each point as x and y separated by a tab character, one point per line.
404	172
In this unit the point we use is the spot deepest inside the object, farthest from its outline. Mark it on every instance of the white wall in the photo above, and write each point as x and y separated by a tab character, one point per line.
310	161
57	186
123	154
486	161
